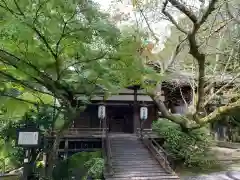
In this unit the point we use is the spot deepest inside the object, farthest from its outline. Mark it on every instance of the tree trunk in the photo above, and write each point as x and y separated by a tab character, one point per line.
182	120
52	156
201	83
186	121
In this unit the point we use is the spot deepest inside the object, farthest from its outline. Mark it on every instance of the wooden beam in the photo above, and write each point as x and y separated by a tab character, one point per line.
66	148
79	149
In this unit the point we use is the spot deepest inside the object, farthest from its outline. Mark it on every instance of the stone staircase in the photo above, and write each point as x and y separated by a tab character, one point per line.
131	160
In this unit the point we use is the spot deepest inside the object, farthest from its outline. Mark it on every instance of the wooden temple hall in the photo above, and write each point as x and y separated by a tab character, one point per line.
120	127
122	112
122	117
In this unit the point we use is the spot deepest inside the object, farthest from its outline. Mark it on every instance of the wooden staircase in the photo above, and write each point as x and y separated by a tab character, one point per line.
131	160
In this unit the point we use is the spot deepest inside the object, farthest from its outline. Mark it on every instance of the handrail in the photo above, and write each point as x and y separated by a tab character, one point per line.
85	129
107	146
159	153
167	155
9	175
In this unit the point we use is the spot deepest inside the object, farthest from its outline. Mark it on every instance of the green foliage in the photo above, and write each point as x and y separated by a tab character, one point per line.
191	149
13	156
60	49
95	167
43	119
10	155
82	164
57	50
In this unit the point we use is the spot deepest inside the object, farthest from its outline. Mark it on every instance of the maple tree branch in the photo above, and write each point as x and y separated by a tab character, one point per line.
22	83
209	10
5	6
174	55
149	27
46	81
183	8
220	112
28	101
63	33
171	19
13	61
209	87
18	8
220	89
193	44
85	61
231	14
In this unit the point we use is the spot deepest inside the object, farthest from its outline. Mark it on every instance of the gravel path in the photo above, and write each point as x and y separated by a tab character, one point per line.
229	175
232	170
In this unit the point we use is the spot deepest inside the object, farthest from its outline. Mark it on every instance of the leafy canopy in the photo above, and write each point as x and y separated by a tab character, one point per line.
58	49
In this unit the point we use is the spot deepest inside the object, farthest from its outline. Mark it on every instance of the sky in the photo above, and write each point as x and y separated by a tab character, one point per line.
161	28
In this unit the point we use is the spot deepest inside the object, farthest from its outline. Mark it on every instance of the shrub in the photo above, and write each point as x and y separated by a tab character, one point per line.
191	148
95	168
81	165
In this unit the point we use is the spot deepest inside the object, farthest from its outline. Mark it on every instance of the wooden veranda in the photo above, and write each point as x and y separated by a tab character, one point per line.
99	133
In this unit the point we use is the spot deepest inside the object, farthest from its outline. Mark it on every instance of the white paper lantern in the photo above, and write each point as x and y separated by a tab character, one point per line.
143	113
101	112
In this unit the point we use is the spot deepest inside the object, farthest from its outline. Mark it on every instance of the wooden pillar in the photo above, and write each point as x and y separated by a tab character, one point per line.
136	121
66	149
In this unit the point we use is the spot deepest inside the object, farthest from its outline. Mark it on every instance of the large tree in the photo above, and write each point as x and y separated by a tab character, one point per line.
205	41
52	51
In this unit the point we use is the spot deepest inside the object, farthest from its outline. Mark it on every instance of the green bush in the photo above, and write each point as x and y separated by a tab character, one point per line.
191	148
80	165
95	168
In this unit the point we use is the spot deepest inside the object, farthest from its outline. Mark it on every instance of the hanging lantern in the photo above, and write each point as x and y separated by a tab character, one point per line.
143	113
101	112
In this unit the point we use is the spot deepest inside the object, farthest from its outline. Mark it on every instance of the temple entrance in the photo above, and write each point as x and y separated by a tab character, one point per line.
120	119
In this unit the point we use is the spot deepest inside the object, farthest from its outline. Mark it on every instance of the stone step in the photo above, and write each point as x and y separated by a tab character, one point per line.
122	159
129	145
130	154
132	163
133	141
163	177
133	160
140	156
141	174
129	149
135	169
114	141
123	148
126	142
127	166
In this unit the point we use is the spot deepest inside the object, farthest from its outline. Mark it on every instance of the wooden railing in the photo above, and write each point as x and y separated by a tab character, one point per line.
82	132
144	132
158	152
106	144
10	177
